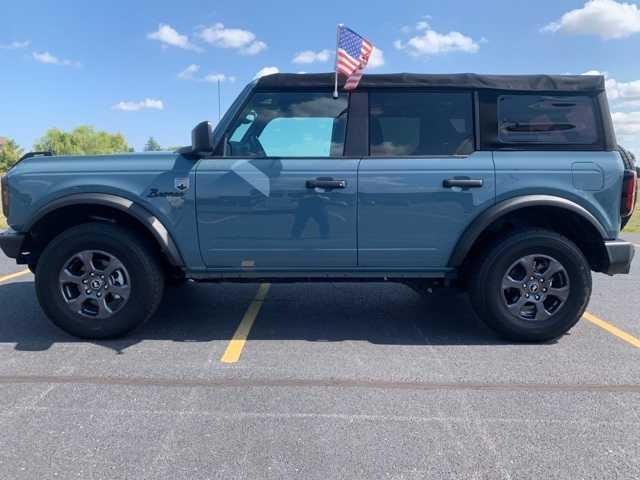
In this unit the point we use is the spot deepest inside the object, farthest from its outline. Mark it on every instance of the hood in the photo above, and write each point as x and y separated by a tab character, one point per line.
147	161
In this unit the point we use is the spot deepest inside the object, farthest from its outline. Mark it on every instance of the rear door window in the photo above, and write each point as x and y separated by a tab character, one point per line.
420	123
541	119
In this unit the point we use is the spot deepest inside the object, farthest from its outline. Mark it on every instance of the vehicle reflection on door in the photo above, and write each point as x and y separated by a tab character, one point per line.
287	224
311	207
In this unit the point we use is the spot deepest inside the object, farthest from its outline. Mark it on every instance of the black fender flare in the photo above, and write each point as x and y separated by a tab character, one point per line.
150	222
489	216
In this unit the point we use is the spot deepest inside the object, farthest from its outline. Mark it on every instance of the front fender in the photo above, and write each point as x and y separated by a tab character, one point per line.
151	222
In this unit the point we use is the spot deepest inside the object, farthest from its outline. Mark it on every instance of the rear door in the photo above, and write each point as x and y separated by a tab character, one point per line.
283	196
423	182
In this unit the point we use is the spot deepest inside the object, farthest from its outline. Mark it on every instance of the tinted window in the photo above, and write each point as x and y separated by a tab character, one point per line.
420	123
539	119
290	125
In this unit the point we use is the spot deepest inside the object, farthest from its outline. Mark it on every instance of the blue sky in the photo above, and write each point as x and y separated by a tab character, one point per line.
150	68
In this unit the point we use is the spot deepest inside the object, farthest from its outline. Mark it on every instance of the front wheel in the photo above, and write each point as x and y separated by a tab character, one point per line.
533	285
98	281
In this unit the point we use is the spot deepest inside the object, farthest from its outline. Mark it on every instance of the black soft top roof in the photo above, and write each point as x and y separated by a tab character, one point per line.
534	83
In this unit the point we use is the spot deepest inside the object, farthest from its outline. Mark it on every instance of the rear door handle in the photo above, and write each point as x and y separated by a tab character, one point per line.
463	183
326	183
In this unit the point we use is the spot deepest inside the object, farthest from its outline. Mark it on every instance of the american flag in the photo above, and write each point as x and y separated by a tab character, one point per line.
352	57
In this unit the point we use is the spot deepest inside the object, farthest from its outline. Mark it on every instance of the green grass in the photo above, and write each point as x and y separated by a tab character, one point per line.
634	224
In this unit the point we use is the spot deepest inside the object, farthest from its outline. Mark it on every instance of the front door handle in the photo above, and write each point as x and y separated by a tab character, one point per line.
327	183
463	183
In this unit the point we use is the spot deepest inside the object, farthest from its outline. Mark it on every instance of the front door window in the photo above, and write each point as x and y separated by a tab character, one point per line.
294	125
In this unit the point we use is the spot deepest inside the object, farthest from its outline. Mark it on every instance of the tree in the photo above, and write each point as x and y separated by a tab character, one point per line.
84	140
152	145
10	153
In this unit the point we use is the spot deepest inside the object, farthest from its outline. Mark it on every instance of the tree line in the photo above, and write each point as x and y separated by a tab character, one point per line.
84	140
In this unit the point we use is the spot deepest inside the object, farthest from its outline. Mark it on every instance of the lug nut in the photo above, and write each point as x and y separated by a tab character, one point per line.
84	281
99	295
88	292
526	295
544	290
102	276
537	297
542	280
92	274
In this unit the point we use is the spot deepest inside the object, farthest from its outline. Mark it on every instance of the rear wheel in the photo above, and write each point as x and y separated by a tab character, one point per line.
98	281
533	285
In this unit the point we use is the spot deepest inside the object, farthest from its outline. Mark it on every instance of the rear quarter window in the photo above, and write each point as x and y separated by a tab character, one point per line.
546	120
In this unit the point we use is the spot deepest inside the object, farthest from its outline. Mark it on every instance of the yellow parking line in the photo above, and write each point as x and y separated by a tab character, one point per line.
612	329
236	344
6	278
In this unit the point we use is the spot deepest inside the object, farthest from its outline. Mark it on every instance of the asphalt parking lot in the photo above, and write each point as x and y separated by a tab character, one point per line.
319	381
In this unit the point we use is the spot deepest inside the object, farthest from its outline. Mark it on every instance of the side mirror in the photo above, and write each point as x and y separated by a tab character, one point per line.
202	139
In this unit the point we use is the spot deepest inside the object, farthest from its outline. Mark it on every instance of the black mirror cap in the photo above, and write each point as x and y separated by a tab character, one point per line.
202	139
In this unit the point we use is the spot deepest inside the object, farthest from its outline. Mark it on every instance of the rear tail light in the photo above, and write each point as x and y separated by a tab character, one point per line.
5	196
629	188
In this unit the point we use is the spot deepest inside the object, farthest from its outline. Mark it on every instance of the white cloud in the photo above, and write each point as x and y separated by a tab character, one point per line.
242	40
189	72
215	77
15	45
220	36
376	59
219	77
266	71
48	59
309	56
623	94
605	18
146	104
627	127
423	25
430	42
167	35
254	48
626	123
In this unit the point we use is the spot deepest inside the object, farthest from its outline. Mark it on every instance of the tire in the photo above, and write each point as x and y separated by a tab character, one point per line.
501	300
129	295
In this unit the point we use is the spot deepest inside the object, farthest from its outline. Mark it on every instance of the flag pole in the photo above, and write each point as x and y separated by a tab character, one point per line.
335	66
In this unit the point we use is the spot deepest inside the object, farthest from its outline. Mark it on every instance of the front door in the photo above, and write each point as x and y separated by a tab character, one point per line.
282	196
422	183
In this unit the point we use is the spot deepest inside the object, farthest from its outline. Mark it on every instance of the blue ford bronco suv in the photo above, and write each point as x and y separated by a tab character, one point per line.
512	187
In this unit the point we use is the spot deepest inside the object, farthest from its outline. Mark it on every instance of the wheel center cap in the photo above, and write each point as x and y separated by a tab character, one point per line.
96	284
533	288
